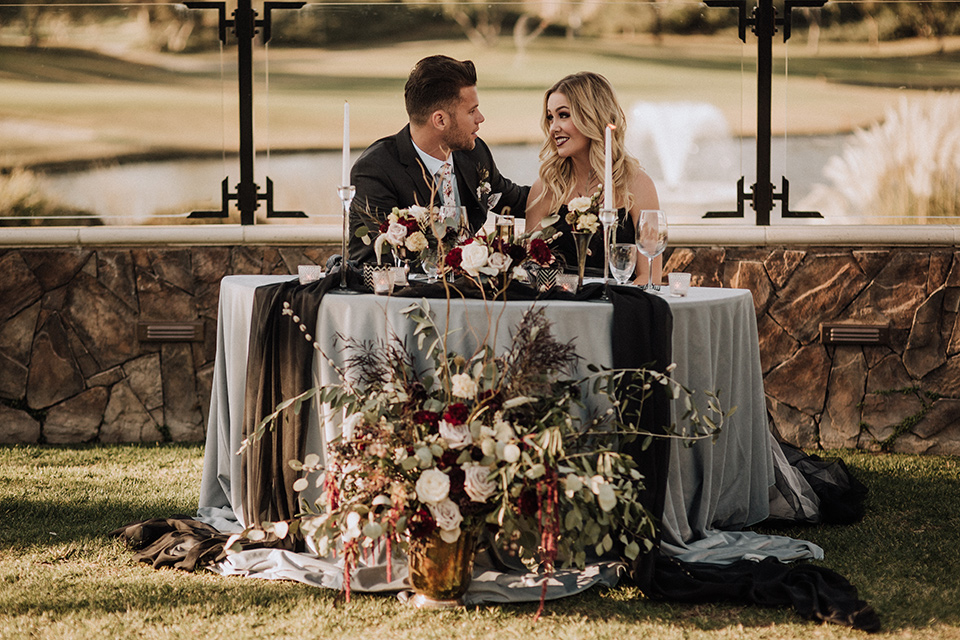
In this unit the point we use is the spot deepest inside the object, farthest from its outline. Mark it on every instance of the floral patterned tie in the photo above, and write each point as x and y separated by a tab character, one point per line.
446	185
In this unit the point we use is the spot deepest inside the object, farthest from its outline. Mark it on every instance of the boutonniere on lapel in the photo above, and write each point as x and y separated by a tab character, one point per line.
487	200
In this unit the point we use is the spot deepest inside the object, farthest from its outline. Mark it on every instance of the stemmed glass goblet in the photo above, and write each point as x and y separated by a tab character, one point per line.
651	239
623	260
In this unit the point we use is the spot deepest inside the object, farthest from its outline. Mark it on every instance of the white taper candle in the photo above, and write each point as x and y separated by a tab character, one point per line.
608	168
345	178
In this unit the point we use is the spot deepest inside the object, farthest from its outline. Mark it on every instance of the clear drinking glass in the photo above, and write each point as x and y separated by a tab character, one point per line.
428	260
505	225
623	261
651	238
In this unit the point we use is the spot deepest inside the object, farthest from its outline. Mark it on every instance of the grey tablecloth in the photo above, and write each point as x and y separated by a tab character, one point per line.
714	489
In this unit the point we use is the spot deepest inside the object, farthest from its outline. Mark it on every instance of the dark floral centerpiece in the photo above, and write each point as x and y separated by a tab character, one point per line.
497	444
482	258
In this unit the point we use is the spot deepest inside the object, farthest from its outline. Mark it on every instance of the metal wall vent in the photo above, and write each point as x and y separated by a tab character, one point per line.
849	333
170	331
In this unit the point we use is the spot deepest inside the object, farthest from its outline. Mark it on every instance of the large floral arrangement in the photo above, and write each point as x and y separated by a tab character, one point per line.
496	441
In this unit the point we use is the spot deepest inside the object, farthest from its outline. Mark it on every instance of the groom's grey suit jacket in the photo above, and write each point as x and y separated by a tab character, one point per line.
390	174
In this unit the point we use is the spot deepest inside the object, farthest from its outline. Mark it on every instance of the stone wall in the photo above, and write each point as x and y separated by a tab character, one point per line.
72	368
903	395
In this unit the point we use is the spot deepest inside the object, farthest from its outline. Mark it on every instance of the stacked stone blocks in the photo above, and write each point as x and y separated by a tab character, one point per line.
73	370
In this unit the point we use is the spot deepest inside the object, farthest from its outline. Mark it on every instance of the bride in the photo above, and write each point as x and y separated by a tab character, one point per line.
576	111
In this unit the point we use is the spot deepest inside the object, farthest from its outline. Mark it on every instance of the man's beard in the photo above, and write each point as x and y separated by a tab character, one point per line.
458	138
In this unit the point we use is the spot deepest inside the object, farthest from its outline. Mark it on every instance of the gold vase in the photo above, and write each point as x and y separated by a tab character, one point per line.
582	240
440	571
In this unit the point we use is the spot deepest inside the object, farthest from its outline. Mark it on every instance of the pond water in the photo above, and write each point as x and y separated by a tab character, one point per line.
693	175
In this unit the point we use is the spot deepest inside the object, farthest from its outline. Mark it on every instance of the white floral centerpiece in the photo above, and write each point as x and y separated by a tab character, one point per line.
407	232
583	213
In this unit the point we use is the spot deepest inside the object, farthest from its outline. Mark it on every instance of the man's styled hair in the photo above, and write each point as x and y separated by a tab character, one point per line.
435	83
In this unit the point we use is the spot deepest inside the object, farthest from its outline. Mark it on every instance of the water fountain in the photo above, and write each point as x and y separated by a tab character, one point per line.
688	149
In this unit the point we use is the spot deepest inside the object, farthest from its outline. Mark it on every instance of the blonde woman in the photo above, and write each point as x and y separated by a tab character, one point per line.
576	111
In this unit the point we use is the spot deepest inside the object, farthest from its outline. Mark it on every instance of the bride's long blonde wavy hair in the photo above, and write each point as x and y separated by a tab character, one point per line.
593	105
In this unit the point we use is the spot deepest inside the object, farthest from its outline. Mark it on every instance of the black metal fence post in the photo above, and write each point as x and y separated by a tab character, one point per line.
764	22
245	25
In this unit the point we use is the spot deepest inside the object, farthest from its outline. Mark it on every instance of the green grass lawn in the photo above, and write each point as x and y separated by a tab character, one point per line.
61	576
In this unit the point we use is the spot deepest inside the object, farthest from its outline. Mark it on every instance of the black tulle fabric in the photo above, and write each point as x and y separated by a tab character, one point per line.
842	496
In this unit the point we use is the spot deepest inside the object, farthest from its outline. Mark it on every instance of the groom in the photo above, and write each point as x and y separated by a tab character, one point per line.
408	168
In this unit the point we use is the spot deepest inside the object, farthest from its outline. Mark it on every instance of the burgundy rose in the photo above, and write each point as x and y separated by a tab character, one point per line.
453	258
384	226
516	252
540	252
456	413
421	524
428	418
411	224
457	478
448	460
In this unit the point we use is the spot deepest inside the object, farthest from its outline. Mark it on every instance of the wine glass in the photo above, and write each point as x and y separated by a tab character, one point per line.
651	238
429	262
623	260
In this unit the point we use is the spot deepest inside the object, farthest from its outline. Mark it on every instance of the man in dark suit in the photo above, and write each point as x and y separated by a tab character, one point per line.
404	169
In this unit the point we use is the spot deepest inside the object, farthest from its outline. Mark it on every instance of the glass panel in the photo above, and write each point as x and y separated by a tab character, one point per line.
130	111
683	94
869	118
94	100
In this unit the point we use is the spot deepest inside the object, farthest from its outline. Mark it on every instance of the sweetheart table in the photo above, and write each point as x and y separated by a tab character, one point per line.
714	489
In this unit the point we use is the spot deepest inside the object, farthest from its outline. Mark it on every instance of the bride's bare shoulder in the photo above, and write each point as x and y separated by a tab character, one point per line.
644	191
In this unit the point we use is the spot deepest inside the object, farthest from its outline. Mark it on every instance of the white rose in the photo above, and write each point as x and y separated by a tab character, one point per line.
350	424
464	386
396	233
448	517
416	241
477	483
500	261
433	486
457	436
473	256
579	204
589	222
606	497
